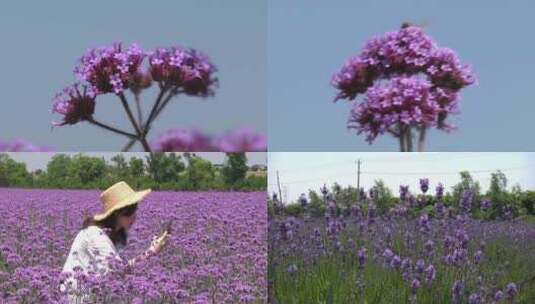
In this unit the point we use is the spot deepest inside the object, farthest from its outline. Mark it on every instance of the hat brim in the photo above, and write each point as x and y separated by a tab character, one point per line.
130	200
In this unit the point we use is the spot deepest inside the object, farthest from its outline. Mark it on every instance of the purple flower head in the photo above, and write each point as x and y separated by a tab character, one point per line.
401	101
388	254
511	289
403	51
474	299
406	54
74	105
395	262
182	140
466	200
430	274
429	246
362	257
242	140
420	265
21	145
110	68
424	184
478	256
457	290
423	221
415	285
439	208
439	191
498	296
403	191
187	69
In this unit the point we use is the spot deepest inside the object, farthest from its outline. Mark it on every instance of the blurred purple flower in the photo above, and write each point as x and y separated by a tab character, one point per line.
498	296
403	191
182	140
424	184
242	140
362	257
439	191
511	290
457	291
466	200
388	254
21	145
430	274
415	285
474	299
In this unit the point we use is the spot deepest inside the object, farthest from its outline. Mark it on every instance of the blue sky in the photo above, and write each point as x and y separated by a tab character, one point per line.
309	40
300	171
42	40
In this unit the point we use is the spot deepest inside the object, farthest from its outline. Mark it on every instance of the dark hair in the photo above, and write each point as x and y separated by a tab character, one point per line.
117	236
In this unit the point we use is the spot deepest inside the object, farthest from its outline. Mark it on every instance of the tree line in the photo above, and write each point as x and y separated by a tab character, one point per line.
159	171
504	201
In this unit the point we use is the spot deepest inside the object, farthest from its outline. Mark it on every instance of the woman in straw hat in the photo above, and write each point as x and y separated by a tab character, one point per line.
102	234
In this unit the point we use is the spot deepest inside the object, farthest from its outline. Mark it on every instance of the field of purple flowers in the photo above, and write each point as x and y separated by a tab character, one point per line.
216	254
440	254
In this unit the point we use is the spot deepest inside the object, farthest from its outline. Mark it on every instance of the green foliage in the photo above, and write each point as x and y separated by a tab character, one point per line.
235	168
13	173
385	199
159	171
528	202
293	210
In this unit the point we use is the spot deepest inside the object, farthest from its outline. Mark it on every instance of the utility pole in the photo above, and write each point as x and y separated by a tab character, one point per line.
358	180
279	186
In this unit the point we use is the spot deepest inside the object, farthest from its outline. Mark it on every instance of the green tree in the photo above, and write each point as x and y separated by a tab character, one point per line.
385	199
58	171
200	174
235	168
164	167
13	173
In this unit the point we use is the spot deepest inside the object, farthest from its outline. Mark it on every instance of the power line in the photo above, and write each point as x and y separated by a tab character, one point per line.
403	173
393	160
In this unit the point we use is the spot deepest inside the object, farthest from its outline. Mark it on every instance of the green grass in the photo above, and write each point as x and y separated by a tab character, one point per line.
333	279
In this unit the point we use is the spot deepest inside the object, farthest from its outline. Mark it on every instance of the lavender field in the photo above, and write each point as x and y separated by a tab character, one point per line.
216	254
407	254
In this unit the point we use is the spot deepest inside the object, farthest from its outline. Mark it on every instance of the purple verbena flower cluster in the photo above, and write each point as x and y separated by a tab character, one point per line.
407	80
239	140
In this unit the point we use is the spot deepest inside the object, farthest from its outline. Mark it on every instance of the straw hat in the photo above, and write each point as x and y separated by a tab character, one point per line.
118	196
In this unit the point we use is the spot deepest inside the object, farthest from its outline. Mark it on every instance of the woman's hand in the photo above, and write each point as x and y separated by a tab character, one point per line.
159	242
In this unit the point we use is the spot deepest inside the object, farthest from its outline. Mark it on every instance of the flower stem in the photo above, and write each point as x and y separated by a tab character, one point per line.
138	108
154	108
421	139
110	128
150	119
409	139
402	141
140	135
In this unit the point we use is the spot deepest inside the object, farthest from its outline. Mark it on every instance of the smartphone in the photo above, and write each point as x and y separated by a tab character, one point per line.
167	226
